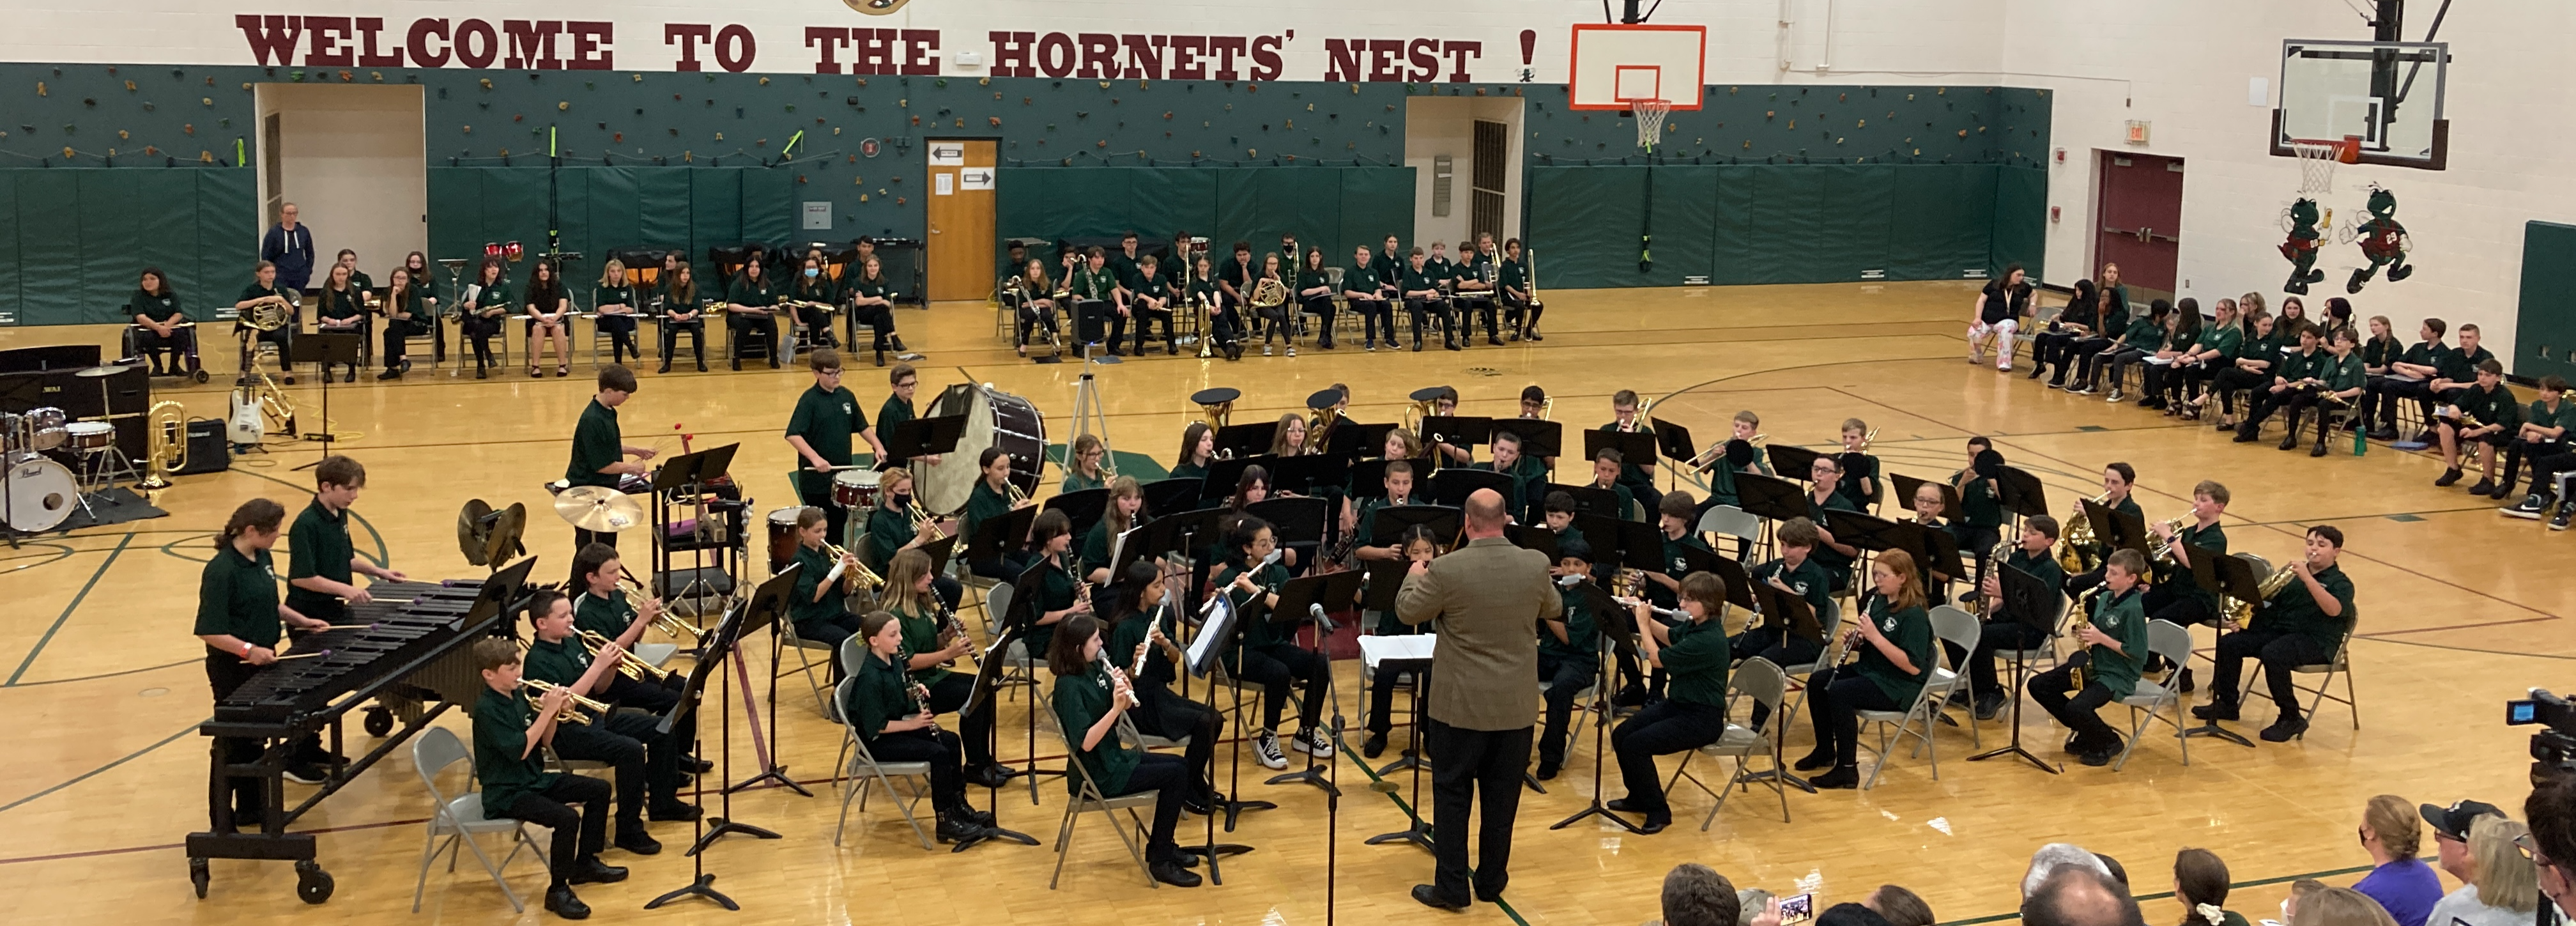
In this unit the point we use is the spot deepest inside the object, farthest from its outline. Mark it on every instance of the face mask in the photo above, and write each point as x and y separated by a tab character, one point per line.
811	273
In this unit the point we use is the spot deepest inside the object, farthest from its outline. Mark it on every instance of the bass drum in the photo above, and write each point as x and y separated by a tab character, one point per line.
993	419
42	493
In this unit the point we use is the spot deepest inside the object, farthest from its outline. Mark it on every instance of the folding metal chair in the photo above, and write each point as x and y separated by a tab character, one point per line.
460	818
2173	642
865	772
1758	679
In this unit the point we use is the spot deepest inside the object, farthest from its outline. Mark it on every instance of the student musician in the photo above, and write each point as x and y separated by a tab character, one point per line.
1725	460
1894	639
2107	670
931	642
1981	508
1518	306
2214	348
1794	573
814	289
1271	319
598	452
1834	555
2173	594
1416	546
1198	449
2145	332
1126	510
2541	436
1150	302
1569	649
1289	439
646	760
1529	476
600	608
484	305
2182	336
1084	471
1859	483
615	301
1930	510
871	298
1224	319
2255	366
681	314
263	288
2304	623
1145	620
1363	287
418	264
1475	276
322	563
893	716
159	324
819	430
1315	297
406	314
549	318
1268	654
1425	302
2032	556
2055	346
2411	376
1694	655
2496	418
2379	354
817	607
1675	519
343	311
1034	304
994	496
751	304
508	732
1626	417
1090	699
1444	453
899	522
1605	477
238	613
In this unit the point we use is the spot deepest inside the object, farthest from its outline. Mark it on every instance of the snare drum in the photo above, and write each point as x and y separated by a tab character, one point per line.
855	488
782	537
90	436
44	429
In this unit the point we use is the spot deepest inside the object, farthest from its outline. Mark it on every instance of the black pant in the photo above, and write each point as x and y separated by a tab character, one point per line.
620	740
656	697
1274	323
753	336
2537	451
1432	311
282	336
940	749
180	345
2197	377
2051	347
1145	317
1522	313
2279	651
1034	314
1373	312
1472	308
1467	765
2086	353
1984	667
1168	715
1662	728
231	799
582	538
880	322
396	333
1164	775
577	835
479	332
697	331
818	326
2545	471
2230	380
832	628
1834	702
621	337
2055	692
1273	666
2119	366
2389	390
1565	677
949	694
1382	692
1321	306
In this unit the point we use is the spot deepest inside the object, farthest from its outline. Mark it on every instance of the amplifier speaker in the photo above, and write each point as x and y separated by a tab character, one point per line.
208	451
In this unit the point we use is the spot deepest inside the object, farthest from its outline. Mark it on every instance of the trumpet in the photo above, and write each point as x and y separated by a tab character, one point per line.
628	664
670	624
921	515
569	715
1017	496
843	561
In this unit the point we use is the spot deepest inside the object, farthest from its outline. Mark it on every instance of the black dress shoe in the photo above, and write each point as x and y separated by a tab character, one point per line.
1654	824
1429	896
1623	805
1173	874
636	841
390	373
1814	761
2318	450
696	766
665	368
2185	683
955	827
989	775
673	812
1374	745
1842	777
592	871
982	818
1417	347
1197	805
1495	341
2288	728
561	901
2215	710
1547	770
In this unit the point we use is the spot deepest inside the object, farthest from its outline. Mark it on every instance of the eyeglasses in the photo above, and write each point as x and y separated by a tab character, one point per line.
830	371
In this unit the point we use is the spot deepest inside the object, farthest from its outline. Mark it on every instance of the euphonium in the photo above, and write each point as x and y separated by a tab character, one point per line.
628	664
569	715
2164	552
165	433
1319	430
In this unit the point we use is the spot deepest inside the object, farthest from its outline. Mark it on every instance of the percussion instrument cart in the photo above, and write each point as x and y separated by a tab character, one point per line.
712	542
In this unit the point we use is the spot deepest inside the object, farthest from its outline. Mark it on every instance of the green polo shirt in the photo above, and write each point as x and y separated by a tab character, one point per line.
2541	414
1696	663
2379	352
2213	537
1123	269
495	296
237	595
614	295
817	288
1096	546
1834	563
1128	631
1514	276
2041	565
805	609
2433	354
343	303
1528	476
2342	374
559	663
2492	406
163	308
1721	479
1152	288
1252	616
1362	279
501	724
1080	701
746	292
1634	475
1858	482
256	291
1676	565
878	694
595	444
1417	279
2266	348
1056	592
2123	619
1911	631
1809	580
2143	333
1087	283
2296	365
318	546
1188	471
1076	482
606	615
2462	366
2225	339
982	504
888	530
2293	610
1582	632
409	303
894	411
920	635
825	420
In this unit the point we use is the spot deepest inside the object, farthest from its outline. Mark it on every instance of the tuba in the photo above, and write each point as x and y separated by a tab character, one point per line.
1319	429
1421	408
166	437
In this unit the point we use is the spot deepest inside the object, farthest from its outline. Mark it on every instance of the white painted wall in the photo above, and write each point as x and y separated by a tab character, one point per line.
353	165
1440	125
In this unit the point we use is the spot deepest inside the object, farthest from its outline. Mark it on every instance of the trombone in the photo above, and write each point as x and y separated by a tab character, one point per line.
569	715
628	664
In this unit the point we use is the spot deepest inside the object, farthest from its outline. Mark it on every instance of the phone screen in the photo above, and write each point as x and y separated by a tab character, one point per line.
1798	909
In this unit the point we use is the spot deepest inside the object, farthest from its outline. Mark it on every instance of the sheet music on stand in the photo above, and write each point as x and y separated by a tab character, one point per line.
1207	647
1400	648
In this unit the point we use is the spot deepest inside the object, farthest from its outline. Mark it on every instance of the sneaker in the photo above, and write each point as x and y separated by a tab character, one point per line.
307	773
2449	478
1292	350
1265	350
1265	749
1313	741
2287	728
1372	347
2559	523
2530	510
2116	394
2485	487
1989	705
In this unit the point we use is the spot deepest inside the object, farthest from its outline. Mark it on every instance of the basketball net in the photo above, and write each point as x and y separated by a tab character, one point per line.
1650	121
2317	160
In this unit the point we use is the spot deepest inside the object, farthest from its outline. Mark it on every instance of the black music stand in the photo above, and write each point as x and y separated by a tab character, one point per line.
2032	602
1907	487
989	672
770	615
1167	497
1297	523
906	441
1239	441
1770	496
1311	474
1619	625
1083	508
1452	484
1224	474
1361	439
1016	620
1460	431
1943	548
1318	597
325	349
1633	446
2230	577
1791	615
994	536
710	665
1791	461
1391	523
1530	537
766	606
2020	492
1587	499
1220	628
1674	442
1368	477
1540	439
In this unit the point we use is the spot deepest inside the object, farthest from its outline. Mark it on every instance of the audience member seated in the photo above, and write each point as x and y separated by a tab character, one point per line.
2200	885
2499	886
2079	894
2336	906
2551	808
1900	907
1696	895
2391	831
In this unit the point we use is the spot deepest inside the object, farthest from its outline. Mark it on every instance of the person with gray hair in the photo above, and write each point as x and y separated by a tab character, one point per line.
2055	854
2078	894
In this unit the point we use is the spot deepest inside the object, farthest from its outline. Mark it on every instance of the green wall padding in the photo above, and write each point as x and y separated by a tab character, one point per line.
2543	323
73	240
606	208
1332	208
2021	219
9	272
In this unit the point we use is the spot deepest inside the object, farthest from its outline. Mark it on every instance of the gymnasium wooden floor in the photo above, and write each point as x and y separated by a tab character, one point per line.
2460	611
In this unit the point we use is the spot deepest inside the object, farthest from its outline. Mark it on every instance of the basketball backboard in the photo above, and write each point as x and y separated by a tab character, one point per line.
2386	94
1614	64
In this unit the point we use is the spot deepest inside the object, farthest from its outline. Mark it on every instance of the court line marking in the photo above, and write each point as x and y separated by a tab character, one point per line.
101	770
66	616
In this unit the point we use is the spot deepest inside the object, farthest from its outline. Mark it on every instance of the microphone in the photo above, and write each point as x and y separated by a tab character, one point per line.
1322	623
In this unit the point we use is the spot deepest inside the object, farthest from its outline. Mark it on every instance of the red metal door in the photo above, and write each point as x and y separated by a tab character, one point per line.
2141	216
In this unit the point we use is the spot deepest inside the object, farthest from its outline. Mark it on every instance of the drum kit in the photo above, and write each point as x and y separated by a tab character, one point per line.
41	491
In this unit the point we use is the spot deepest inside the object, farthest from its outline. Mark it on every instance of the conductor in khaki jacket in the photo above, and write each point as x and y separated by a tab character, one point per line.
1488	599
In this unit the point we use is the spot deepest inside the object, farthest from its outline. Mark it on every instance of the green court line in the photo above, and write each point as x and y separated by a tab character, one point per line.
75	604
101	770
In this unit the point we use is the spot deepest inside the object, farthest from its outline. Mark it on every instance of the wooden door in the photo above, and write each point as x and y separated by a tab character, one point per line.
961	218
2141	228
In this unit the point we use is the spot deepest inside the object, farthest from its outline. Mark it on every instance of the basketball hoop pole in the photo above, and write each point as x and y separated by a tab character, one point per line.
1629	14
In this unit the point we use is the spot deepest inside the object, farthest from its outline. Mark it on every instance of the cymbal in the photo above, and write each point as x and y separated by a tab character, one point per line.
97	372
598	508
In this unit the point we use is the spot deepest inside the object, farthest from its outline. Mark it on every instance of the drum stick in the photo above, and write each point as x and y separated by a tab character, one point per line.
350	626
319	652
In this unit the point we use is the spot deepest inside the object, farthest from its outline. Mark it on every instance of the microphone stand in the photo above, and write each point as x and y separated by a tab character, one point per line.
1309	775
